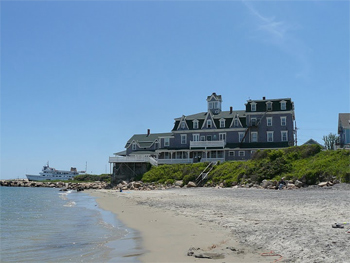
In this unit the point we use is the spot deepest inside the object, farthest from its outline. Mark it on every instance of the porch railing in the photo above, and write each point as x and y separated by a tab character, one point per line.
206	144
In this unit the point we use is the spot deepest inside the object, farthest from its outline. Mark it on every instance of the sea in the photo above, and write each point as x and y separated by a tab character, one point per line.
48	225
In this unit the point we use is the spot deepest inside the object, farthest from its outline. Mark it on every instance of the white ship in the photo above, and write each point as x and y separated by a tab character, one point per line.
49	173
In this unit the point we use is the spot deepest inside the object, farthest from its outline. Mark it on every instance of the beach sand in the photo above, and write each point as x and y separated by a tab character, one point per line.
235	225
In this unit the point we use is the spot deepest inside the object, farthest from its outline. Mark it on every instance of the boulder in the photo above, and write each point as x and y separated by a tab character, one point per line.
322	184
298	183
291	186
266	183
191	184
179	183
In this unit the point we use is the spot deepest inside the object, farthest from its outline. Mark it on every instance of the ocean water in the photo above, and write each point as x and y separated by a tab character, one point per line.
46	225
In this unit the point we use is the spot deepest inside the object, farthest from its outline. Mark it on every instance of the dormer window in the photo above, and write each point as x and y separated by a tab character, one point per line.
209	124
183	125
133	146
283	105
195	124
269	106
222	123
253	106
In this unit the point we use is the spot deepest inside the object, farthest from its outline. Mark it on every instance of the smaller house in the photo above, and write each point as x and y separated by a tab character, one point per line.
313	142
344	131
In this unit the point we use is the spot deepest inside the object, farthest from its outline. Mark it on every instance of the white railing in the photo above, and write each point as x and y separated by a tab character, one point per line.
130	159
183	161
174	161
205	144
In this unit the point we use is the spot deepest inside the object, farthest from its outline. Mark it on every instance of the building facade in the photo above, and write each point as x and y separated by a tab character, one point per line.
344	131
216	135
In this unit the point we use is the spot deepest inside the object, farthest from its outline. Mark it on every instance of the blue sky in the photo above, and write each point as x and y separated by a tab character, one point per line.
79	78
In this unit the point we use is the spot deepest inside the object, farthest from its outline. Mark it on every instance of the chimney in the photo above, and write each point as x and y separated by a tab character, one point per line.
148	132
231	110
264	98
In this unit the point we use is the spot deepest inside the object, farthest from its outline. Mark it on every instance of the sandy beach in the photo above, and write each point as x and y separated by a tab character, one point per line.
236	225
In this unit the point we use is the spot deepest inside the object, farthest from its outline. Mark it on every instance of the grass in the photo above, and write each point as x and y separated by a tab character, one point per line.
306	163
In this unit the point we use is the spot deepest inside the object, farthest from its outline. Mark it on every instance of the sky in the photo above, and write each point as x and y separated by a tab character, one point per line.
79	78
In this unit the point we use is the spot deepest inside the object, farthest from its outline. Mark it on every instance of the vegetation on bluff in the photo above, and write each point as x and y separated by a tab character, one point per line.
306	163
92	178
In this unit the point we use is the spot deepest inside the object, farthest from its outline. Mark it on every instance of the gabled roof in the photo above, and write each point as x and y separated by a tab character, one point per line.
203	115
214	97
312	142
222	114
146	140
344	120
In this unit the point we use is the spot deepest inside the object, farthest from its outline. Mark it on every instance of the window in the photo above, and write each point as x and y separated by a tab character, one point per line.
166	141
254	137
166	155
133	146
222	136
253	121
183	138
269	121
183	125
209	123
195	137
222	123
240	136
283	105
202	138
208	137
236	124
241	153
195	124
253	106
284	136
270	136
283	121
231	153
269	105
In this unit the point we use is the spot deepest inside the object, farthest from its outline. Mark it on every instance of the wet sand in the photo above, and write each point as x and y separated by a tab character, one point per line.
236	225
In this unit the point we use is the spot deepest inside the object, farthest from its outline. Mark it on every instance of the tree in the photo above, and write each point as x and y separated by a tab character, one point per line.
330	140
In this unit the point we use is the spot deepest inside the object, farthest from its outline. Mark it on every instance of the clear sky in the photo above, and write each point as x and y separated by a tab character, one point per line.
79	78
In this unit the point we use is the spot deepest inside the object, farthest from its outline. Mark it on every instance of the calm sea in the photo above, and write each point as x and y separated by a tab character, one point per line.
46	225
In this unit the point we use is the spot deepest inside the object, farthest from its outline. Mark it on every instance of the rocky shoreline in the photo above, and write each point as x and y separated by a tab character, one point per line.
138	185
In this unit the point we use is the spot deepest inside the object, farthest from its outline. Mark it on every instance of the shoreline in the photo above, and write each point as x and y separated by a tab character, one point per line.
235	225
167	236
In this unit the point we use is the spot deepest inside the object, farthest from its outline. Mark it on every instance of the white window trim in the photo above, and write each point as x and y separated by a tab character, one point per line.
286	133
253	106
195	137
231	153
166	141
267	106
183	138
285	121
251	136
222	137
195	124
133	146
267	136
209	124
222	123
241	153
267	121
284	103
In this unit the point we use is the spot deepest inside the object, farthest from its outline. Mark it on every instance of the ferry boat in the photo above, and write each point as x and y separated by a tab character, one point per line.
49	173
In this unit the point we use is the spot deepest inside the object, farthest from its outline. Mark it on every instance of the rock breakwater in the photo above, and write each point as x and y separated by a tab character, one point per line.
142	186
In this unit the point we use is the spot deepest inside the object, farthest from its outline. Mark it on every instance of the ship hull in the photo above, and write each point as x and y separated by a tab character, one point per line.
48	177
